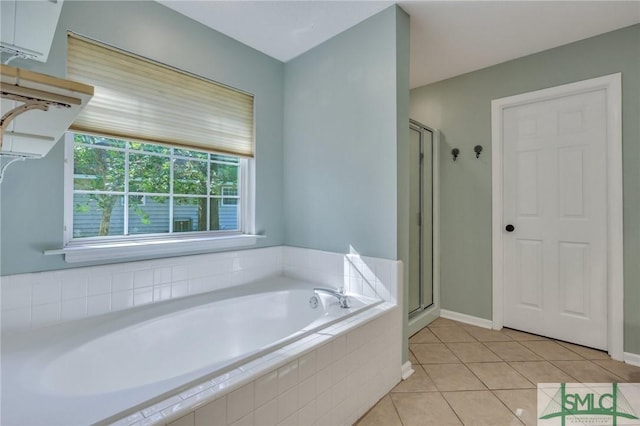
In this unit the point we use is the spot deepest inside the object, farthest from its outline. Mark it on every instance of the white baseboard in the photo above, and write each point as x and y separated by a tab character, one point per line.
467	319
633	359
421	320
629	358
407	370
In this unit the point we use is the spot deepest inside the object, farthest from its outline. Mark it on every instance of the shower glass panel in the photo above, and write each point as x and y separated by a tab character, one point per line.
420	219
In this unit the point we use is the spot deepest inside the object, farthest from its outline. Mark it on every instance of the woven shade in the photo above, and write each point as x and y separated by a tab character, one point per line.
139	99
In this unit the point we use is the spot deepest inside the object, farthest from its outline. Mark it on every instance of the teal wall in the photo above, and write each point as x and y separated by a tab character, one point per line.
328	125
461	108
31	200
342	122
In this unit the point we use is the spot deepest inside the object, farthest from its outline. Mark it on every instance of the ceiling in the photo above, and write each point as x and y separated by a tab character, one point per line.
448	38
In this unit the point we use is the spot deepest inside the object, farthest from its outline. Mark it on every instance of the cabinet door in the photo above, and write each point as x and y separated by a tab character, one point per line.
29	26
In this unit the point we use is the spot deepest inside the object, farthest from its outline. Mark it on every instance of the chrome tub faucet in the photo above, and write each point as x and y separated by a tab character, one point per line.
338	293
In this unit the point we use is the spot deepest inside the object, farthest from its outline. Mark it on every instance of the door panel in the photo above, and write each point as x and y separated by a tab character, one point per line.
574	274
554	180
527	183
571	176
530	277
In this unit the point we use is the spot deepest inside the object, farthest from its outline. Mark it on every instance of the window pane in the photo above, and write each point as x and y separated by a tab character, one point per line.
147	147
97	215
148	214
223	217
223	175
97	169
229	196
189	214
98	141
225	158
190	177
149	173
229	201
190	153
204	194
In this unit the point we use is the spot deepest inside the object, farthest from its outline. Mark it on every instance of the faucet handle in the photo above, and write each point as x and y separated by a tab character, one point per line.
345	302
341	290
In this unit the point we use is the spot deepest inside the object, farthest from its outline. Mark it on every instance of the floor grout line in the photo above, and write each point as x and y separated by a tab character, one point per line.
452	409
483	344
393	403
505	405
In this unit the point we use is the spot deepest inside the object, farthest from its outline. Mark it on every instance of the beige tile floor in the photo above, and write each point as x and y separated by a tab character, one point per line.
467	375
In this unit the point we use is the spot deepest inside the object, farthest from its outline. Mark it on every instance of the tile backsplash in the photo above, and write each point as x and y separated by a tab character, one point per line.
368	276
43	298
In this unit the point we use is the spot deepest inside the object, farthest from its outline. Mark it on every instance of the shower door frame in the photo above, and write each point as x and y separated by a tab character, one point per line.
423	316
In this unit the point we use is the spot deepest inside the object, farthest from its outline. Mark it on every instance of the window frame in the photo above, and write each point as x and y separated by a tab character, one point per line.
122	246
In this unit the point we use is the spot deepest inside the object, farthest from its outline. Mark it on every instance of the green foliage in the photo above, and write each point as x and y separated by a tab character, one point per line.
190	177
149	173
103	170
82	208
98	170
135	204
223	175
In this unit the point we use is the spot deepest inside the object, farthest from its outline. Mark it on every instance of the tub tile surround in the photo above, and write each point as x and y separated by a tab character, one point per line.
326	383
39	299
44	298
363	275
305	382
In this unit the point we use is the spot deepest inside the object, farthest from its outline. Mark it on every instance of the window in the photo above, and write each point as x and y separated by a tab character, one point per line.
159	161
125	188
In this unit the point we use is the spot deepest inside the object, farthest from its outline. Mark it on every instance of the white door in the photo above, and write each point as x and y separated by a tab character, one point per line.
555	198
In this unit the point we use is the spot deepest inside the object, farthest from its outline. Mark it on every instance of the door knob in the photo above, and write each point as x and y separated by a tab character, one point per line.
509	228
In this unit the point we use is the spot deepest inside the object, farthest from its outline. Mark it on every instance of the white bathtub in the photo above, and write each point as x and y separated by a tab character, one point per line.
94	369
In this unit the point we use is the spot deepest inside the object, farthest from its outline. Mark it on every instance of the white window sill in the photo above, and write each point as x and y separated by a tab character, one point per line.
87	252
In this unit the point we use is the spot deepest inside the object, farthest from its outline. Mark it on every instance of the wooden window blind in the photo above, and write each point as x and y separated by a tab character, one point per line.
139	99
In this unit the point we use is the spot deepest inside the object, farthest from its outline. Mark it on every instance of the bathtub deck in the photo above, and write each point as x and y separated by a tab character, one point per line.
33	400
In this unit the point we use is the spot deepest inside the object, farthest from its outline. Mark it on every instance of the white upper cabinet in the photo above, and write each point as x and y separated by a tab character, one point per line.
28	27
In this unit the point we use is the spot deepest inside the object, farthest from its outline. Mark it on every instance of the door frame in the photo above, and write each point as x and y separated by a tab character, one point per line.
612	84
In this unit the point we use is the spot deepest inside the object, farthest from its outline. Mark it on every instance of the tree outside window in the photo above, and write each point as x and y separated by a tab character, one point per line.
161	189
